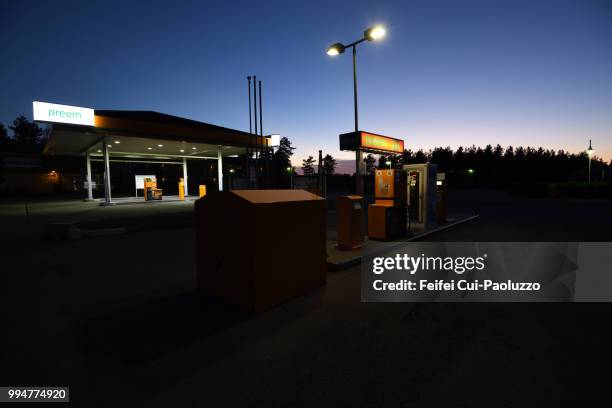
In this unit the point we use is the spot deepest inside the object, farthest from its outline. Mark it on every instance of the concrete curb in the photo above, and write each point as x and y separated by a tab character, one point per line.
339	266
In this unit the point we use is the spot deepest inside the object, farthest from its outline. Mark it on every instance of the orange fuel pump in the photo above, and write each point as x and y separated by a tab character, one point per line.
181	189
151	192
387	216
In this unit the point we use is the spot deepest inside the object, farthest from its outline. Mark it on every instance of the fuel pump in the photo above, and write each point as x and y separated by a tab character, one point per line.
387	216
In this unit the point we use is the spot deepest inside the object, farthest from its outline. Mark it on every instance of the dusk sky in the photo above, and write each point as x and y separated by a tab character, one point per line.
449	73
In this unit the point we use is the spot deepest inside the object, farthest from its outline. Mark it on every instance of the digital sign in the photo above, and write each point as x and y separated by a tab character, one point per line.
52	112
370	142
381	143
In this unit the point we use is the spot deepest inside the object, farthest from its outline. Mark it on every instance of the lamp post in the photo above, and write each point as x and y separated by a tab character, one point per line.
371	34
388	163
290	170
231	173
589	153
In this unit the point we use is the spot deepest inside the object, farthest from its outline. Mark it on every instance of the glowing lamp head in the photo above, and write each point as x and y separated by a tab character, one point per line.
388	162
590	150
335	49
374	33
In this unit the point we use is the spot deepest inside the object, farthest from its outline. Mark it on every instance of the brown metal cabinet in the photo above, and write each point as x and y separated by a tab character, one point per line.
260	248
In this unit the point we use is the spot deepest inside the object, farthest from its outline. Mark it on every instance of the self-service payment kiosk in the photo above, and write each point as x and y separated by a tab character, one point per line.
387	216
421	192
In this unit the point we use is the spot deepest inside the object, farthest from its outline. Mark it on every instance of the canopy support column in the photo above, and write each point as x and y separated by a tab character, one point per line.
220	169
107	180
185	176
88	169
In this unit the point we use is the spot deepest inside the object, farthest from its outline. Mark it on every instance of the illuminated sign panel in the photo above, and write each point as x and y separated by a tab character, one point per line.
370	142
383	143
274	140
52	112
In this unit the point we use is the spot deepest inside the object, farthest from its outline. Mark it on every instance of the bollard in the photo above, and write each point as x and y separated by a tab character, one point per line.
181	190
350	222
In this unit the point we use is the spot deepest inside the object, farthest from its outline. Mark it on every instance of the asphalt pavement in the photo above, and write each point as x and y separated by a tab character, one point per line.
118	319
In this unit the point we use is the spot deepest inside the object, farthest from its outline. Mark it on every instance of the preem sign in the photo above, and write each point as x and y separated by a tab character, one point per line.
52	112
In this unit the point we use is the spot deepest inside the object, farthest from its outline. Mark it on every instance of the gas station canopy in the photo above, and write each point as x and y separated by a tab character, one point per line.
147	134
138	136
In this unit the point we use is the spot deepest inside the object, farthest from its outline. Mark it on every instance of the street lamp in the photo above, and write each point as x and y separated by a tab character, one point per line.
589	153
373	33
231	171
388	162
290	170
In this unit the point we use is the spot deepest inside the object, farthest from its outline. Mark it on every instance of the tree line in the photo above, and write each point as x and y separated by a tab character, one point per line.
499	166
27	137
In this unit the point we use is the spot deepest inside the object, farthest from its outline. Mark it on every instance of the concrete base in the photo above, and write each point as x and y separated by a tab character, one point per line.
338	260
141	200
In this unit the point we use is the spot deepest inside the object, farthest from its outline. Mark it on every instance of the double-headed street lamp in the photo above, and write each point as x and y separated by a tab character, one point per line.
371	34
589	153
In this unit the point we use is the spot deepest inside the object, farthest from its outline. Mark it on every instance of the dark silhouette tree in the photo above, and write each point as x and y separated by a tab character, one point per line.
27	136
329	164
308	166
281	160
443	157
370	163
282	156
407	157
420	157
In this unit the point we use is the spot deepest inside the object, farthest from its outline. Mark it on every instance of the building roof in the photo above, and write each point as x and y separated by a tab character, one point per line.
162	118
148	133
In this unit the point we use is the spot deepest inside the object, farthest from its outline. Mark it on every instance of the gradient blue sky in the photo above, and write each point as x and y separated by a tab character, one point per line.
449	72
